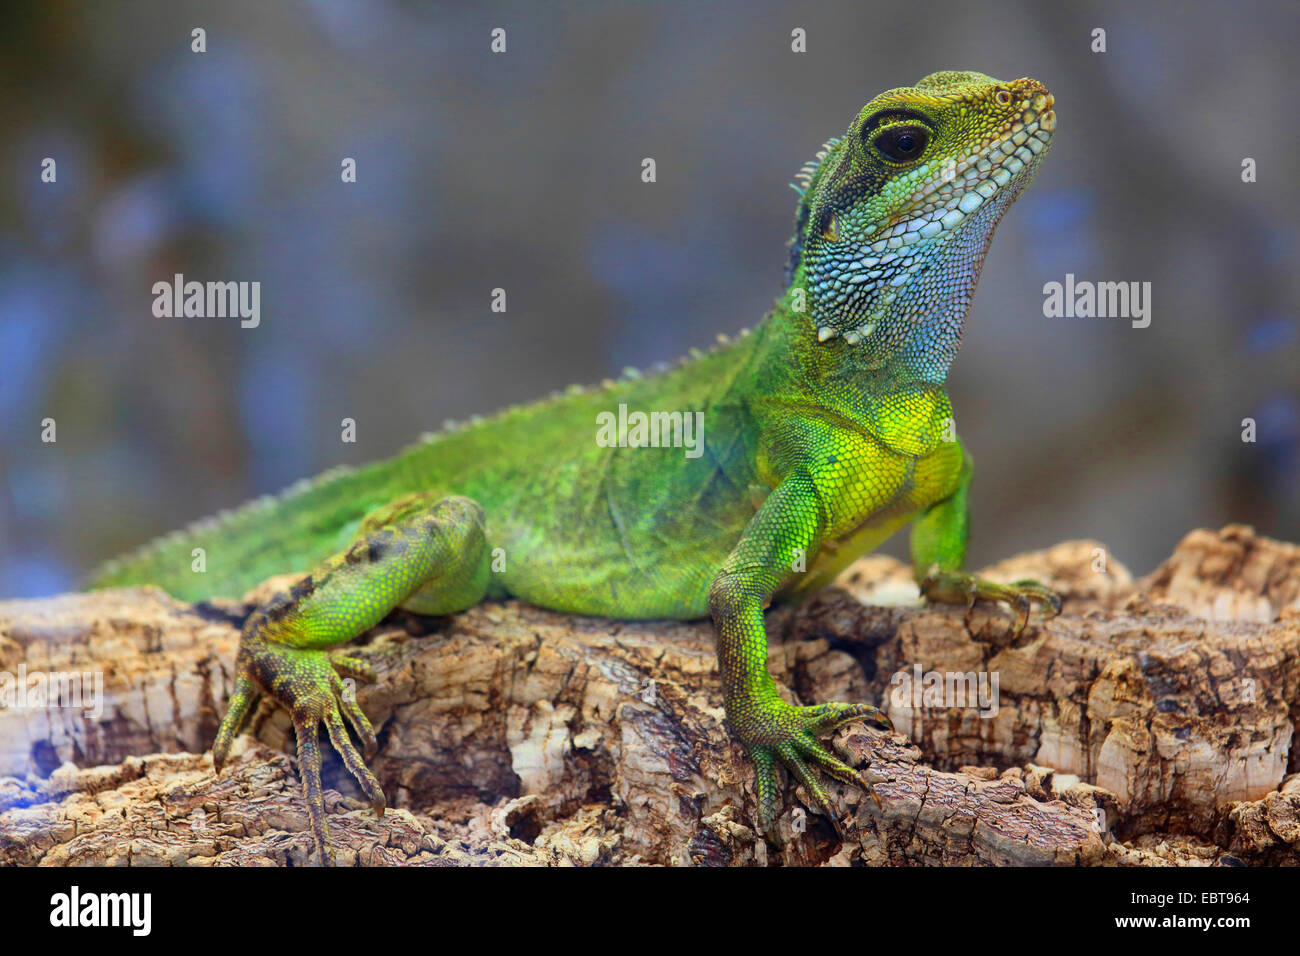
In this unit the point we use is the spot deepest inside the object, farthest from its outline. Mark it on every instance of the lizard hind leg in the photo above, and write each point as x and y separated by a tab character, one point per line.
421	552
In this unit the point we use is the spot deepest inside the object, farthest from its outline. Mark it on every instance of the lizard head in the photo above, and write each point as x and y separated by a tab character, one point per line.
895	216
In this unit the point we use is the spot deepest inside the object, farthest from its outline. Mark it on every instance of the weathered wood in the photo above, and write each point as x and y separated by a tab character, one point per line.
1151	723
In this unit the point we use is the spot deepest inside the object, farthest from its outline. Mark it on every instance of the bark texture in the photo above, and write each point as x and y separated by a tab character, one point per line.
1152	723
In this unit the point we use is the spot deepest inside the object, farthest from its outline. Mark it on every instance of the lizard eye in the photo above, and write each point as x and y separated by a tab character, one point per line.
902	144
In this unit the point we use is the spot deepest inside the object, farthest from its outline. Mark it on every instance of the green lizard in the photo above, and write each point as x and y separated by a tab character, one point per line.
824	431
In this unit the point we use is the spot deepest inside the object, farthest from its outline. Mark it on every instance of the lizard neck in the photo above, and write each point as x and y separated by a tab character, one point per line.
906	328
800	382
916	330
919	338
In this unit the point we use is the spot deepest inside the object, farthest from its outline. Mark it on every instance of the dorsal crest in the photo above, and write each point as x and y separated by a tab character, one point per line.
806	174
803	185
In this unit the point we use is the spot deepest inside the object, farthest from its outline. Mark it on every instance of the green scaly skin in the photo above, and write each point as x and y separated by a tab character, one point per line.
825	431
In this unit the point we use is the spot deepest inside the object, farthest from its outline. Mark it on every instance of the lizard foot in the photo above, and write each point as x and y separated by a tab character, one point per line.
957	587
776	731
307	682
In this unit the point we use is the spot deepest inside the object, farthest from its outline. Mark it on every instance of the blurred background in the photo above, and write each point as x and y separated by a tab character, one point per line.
522	171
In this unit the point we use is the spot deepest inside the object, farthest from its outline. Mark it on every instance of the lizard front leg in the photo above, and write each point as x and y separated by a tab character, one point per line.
939	536
422	553
790	522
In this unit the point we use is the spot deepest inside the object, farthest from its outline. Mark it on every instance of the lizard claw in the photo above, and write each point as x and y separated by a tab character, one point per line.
306	681
957	587
780	732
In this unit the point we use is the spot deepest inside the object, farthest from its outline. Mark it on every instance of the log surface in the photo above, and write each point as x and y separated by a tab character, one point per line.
1152	723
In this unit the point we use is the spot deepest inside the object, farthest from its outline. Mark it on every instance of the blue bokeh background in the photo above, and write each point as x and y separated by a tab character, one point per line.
522	171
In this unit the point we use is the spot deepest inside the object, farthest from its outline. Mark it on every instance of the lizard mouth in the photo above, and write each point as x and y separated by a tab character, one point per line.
996	168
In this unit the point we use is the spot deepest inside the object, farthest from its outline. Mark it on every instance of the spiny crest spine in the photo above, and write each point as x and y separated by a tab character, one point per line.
806	176
809	169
